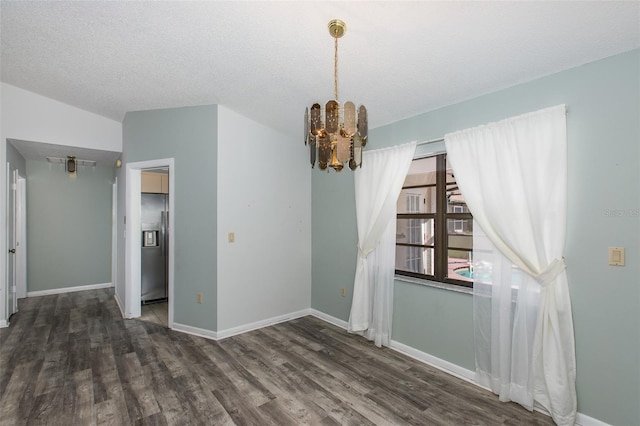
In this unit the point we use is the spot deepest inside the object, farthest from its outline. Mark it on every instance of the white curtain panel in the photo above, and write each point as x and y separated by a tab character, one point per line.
513	175
377	186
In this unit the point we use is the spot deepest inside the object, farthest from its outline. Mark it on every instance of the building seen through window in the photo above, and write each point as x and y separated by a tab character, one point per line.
434	232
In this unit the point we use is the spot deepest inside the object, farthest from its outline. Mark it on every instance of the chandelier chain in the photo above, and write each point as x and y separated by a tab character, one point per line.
335	67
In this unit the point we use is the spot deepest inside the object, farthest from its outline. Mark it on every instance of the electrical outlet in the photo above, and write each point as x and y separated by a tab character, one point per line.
343	292
199	297
231	237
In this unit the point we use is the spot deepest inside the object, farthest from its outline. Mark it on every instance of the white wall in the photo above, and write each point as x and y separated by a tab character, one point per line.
28	116
31	117
264	198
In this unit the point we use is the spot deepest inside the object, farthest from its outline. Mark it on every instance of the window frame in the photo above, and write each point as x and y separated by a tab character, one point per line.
458	224
441	217
413	204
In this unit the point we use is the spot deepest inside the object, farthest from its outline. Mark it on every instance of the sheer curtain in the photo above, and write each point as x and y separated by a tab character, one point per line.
377	186
513	175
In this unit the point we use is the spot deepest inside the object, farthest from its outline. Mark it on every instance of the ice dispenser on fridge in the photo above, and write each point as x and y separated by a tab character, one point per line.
149	238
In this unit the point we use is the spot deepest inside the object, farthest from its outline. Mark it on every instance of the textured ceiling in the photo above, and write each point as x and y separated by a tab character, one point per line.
268	60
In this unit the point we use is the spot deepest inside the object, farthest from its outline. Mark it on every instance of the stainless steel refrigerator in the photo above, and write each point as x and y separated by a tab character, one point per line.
154	247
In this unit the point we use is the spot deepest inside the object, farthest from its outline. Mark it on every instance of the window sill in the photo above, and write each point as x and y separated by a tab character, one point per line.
435	284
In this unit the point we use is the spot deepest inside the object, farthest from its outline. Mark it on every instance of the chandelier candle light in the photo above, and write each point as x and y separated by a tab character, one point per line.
332	134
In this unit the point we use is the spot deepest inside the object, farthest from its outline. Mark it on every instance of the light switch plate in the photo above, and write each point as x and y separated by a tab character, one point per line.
616	256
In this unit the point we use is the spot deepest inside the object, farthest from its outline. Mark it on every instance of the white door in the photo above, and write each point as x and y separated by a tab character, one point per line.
12	177
21	239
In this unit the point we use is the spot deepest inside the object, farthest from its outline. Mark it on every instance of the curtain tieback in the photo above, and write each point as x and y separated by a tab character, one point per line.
363	254
554	269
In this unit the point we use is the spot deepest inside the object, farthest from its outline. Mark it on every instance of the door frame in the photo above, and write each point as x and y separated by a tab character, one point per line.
114	232
133	236
9	278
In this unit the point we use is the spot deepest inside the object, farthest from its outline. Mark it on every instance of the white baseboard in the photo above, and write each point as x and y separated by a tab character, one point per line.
330	319
584	420
217	335
4	324
200	332
120	304
440	364
263	323
68	289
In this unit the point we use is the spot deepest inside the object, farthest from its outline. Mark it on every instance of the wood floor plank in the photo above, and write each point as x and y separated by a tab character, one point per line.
168	354
280	415
71	359
31	345
45	407
28	399
11	397
12	340
170	399
106	413
84	410
138	395
284	376
240	413
247	384
203	405
319	359
51	377
153	420
343	386
76	320
79	352
293	401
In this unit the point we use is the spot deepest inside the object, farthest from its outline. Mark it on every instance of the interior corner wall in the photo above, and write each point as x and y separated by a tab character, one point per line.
603	100
17	160
264	198
69	219
334	241
189	135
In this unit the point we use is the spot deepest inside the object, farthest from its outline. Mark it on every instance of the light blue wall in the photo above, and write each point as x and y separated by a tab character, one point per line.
334	240
189	135
68	226
603	99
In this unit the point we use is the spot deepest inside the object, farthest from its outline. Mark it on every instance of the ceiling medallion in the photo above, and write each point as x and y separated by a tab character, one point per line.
336	134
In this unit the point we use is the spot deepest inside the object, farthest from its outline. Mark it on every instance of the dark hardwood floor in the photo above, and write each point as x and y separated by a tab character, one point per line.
71	359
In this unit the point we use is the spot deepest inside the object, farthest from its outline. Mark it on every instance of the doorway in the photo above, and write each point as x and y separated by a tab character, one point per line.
154	252
134	237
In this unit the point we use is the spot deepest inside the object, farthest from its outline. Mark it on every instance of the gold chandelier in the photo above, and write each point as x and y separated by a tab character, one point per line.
335	135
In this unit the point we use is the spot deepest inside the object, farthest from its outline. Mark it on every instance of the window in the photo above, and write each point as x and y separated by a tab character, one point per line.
434	237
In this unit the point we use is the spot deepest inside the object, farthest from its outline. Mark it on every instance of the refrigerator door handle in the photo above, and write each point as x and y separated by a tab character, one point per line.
163	231
164	217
